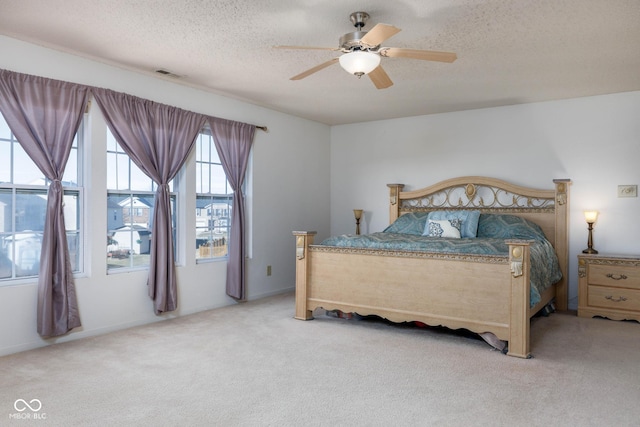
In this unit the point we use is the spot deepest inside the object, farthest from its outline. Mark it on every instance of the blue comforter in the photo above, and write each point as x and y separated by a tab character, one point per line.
493	230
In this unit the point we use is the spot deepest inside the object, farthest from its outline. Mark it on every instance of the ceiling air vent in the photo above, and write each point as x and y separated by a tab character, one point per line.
167	73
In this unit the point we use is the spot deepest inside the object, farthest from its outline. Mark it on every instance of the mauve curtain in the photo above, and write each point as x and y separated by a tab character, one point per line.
158	138
44	115
233	141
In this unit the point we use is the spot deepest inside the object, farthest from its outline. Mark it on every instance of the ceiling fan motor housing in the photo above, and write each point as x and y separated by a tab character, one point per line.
351	41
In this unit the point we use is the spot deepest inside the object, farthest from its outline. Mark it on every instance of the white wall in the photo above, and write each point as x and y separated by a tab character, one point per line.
289	190
594	141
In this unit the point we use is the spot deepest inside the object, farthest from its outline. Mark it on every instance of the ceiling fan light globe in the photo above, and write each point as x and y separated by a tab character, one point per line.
359	62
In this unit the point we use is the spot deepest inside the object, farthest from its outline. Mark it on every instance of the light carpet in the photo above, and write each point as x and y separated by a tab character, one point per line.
252	364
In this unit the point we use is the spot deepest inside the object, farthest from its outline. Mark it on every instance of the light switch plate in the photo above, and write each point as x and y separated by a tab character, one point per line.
627	191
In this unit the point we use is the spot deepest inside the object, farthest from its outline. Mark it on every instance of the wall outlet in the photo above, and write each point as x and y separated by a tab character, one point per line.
268	270
627	191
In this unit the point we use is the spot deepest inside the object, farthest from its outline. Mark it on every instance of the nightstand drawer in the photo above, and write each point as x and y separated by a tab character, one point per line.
617	298
619	276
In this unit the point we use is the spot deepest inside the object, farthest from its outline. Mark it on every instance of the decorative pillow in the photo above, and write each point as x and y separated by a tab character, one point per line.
409	223
444	228
469	221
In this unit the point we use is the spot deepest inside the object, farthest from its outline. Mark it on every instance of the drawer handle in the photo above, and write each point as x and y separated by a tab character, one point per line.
616	276
620	299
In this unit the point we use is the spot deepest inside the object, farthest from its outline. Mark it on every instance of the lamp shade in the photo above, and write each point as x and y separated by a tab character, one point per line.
359	62
590	216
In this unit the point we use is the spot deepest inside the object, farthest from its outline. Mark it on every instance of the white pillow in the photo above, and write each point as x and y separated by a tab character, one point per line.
469	218
444	228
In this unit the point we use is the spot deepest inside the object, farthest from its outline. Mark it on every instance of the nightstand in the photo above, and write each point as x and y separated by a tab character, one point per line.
609	286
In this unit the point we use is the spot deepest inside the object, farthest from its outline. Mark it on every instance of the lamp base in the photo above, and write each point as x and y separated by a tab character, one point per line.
589	251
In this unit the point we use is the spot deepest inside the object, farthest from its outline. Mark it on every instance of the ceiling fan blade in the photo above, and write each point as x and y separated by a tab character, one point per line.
306	47
427	55
378	34
314	69
380	78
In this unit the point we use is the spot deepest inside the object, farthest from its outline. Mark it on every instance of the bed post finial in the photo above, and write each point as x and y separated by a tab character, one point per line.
394	201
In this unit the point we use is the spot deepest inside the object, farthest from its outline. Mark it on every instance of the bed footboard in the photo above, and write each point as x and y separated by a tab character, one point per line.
477	293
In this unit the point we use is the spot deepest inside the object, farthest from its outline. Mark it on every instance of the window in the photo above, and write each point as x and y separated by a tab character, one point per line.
23	202
130	207
214	198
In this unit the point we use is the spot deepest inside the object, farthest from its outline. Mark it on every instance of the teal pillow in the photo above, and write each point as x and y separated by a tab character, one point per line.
409	223
469	220
505	226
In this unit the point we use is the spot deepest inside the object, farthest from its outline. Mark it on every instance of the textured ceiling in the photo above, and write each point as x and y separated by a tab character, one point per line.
509	52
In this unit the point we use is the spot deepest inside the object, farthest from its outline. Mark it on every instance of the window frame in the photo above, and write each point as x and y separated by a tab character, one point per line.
78	257
132	194
209	248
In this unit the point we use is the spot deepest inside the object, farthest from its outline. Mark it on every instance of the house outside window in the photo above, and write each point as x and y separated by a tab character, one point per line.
130	208
23	201
214	199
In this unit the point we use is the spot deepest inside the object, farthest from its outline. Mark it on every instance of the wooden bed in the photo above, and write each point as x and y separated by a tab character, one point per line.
483	294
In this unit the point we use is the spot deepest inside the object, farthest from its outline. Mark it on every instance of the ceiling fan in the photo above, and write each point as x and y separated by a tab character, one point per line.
362	52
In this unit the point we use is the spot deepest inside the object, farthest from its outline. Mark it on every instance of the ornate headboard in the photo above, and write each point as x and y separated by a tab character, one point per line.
547	208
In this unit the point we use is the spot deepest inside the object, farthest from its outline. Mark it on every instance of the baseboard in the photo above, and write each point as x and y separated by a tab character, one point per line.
271	293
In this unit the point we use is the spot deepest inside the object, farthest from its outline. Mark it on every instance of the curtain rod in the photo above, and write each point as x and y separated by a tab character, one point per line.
262	128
